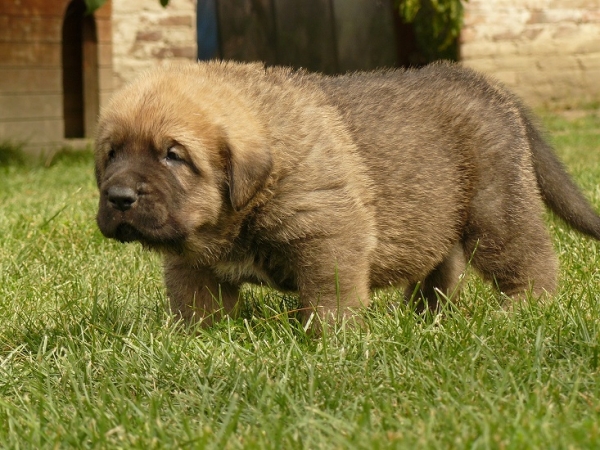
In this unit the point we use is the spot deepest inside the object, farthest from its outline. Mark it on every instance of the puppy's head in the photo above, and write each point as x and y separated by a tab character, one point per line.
176	157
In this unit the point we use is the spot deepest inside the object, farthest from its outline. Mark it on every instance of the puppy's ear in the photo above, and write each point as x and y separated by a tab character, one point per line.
249	164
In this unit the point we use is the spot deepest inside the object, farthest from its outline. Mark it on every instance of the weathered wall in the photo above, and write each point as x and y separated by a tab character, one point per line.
548	51
146	34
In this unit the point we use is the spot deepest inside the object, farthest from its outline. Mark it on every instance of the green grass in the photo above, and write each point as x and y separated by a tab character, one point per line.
90	358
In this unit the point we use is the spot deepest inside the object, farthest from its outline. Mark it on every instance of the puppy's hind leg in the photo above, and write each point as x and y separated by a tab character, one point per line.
443	281
519	261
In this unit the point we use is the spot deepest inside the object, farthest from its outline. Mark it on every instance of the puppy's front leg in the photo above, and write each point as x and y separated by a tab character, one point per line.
333	288
195	293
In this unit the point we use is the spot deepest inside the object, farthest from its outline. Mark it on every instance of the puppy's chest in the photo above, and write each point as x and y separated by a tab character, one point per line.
261	266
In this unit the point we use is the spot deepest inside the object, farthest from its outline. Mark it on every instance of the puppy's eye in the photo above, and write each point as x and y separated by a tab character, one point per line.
111	154
172	155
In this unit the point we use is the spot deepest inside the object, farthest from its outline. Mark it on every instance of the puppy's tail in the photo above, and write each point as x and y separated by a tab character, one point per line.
558	190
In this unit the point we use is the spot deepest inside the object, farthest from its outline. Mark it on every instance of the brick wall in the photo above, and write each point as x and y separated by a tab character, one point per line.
146	34
548	51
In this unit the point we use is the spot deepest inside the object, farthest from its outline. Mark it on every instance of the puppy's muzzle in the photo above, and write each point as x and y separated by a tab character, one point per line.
121	197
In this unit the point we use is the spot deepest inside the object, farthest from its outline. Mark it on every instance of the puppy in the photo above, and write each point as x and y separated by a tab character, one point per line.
330	186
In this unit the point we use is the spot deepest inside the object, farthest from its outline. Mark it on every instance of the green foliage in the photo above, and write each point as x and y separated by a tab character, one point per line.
93	5
437	25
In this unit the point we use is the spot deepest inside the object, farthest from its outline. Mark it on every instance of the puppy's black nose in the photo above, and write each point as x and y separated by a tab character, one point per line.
121	197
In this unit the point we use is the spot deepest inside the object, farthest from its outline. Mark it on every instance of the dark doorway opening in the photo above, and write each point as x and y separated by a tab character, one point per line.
329	36
80	71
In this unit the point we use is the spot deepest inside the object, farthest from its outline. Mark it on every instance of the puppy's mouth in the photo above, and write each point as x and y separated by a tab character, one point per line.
130	210
127	233
168	236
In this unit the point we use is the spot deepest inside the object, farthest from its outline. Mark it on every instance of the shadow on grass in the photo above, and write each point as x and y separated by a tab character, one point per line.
69	156
12	154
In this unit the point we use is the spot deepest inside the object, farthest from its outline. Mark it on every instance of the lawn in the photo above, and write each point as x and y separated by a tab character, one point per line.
89	357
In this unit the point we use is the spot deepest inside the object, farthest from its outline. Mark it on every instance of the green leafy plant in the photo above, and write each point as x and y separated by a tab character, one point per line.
437	25
93	5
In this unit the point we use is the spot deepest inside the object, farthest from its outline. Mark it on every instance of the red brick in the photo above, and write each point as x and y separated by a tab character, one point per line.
33	7
30	54
175	52
30	29
186	20
152	36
